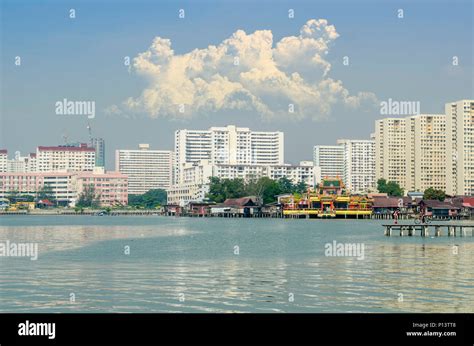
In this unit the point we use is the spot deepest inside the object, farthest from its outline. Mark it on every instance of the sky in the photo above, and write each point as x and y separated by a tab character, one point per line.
319	75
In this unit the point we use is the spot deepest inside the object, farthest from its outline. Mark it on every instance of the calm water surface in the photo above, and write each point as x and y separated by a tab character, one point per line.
190	265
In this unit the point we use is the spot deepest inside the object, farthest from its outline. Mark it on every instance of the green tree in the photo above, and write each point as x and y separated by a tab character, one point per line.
391	188
16	196
301	187
46	192
149	200
286	186
222	189
88	198
431	193
265	189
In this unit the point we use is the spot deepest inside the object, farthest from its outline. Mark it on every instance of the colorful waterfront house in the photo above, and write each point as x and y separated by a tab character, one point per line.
199	208
44	203
328	200
465	203
388	205
244	206
172	209
439	209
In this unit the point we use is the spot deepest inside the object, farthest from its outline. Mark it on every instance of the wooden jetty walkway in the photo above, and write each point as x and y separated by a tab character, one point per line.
452	229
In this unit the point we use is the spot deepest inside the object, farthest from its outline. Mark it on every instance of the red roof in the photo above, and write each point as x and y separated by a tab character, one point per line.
468	202
83	147
3	151
240	202
435	204
390	202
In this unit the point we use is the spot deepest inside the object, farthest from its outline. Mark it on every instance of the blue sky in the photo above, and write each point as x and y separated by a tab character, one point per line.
82	59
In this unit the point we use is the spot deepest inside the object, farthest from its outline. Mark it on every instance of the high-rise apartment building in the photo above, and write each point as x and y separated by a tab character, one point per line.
3	160
359	164
412	151
65	158
390	150
146	169
330	159
99	145
425	152
228	145
460	147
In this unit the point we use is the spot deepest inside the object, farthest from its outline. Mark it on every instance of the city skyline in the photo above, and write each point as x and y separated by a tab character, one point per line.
428	77
418	152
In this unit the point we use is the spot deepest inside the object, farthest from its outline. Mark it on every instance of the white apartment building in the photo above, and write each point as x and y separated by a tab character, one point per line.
460	147
182	194
425	152
65	158
330	159
3	160
195	177
228	145
390	150
22	164
359	164
146	169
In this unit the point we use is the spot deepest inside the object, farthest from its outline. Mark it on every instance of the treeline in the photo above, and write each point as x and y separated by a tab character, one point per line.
392	188
264	188
149	200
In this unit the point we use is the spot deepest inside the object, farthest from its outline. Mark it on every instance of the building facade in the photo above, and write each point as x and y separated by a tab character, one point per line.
62	185
65	158
111	188
390	150
66	187
359	165
425	152
146	169
460	147
22	164
3	160
195	177
227	145
411	151
330	159
99	145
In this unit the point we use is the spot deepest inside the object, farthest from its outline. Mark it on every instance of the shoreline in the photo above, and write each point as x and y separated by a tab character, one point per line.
145	212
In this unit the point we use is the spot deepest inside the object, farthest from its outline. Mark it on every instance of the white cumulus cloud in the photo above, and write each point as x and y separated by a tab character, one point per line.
247	72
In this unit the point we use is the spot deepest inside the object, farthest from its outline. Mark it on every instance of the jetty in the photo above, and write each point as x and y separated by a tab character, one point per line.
426	229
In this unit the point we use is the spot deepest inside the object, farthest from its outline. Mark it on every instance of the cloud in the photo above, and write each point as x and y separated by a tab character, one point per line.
245	72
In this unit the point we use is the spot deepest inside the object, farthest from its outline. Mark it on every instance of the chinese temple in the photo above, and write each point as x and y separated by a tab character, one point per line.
328	200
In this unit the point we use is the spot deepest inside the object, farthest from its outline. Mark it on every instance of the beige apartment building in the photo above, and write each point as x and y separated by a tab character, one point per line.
425	152
460	147
412	151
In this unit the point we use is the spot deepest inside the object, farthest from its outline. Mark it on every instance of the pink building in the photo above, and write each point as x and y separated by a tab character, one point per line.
63	185
111	187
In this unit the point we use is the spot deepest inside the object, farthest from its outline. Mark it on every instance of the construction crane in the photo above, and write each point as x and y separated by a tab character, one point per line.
89	129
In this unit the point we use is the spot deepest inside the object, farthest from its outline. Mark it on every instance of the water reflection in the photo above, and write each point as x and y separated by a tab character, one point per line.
191	268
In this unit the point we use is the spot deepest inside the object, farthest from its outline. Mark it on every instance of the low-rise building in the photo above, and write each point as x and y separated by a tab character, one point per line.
66	187
111	188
